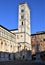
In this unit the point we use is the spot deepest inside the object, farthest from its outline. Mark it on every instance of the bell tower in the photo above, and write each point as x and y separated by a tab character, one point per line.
24	18
24	24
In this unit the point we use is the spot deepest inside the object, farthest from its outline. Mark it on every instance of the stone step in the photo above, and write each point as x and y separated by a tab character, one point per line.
20	63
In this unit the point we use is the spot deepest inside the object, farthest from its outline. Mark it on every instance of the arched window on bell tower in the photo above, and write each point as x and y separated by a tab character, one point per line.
22	22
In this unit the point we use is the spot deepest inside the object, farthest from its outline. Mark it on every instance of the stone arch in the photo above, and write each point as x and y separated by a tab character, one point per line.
1	44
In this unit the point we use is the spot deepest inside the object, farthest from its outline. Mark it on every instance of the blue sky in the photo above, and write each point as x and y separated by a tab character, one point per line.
9	14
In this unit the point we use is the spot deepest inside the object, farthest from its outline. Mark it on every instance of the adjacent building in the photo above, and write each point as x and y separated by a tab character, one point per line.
39	38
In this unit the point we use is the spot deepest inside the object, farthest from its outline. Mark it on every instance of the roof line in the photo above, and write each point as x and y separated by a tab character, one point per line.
6	29
13	29
38	33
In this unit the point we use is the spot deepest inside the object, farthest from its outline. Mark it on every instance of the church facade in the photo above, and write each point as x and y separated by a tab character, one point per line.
14	41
